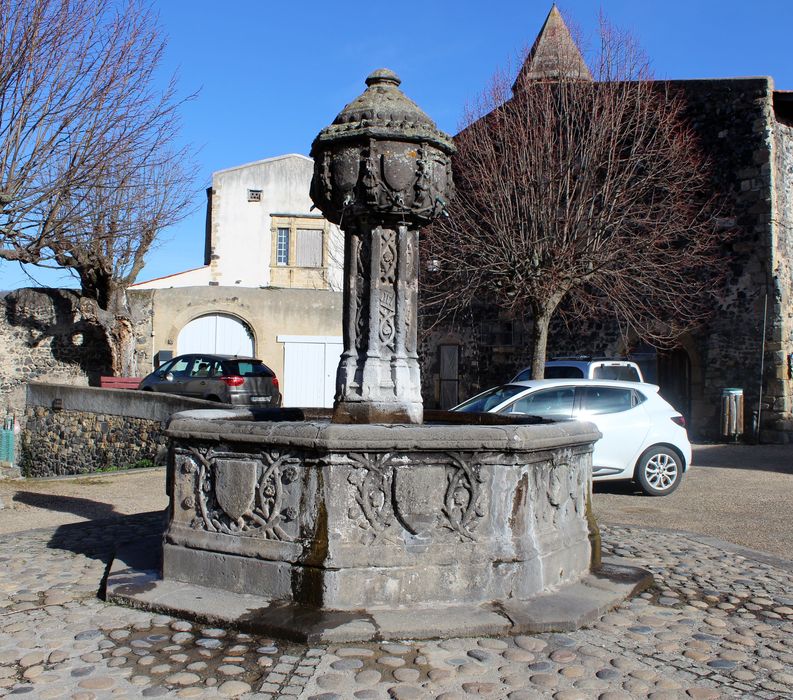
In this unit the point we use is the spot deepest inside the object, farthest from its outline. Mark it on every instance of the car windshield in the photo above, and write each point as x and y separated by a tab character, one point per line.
247	368
489	399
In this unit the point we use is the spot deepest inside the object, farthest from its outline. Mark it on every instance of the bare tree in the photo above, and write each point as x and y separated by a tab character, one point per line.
89	169
581	194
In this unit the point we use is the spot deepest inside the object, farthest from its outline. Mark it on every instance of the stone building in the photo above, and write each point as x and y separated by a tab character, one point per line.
746	130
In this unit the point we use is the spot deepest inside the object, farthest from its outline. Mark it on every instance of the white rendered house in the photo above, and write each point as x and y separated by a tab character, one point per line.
263	240
261	231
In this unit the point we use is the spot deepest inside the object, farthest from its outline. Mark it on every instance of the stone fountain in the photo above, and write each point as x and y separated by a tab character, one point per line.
377	522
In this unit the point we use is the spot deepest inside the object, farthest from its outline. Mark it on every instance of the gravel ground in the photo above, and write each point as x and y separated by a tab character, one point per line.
739	493
35	503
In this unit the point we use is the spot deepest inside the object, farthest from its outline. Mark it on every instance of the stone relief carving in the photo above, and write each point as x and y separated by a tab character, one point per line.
362	255
371	476
240	494
461	504
370	178
388	301
558	492
383	507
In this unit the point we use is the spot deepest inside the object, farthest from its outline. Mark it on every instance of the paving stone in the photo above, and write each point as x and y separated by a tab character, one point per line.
182	679
391	661
709	643
406	692
233	689
97	683
406	675
518	655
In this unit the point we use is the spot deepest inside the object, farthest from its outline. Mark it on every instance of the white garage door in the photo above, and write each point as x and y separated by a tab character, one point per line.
216	333
310	364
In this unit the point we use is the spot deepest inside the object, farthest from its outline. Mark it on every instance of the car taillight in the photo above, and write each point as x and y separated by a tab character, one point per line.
275	382
679	420
233	380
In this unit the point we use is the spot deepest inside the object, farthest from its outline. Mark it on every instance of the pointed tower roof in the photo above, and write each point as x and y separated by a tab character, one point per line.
554	54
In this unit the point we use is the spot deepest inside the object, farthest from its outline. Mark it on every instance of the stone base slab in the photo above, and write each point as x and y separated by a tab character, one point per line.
135	580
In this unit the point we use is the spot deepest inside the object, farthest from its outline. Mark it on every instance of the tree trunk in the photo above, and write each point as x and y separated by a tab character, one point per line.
115	319
539	345
539	341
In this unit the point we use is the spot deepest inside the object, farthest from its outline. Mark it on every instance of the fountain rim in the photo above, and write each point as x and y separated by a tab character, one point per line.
316	431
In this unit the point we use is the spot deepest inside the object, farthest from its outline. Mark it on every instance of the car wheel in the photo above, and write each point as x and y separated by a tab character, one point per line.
659	471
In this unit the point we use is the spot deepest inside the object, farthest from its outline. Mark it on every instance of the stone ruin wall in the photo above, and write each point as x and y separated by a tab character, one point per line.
42	337
49	335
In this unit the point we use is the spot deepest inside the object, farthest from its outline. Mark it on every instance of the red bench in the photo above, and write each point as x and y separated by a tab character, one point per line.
119	382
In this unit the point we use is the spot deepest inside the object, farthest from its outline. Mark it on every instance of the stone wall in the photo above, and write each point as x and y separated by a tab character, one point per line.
45	336
78	430
734	120
779	399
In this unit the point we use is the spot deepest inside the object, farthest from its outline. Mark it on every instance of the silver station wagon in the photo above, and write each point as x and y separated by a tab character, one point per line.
242	381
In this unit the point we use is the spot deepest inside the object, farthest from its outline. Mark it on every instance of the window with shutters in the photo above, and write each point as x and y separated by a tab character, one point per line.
299	251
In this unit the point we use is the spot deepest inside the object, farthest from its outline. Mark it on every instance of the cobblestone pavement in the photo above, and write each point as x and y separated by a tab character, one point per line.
718	624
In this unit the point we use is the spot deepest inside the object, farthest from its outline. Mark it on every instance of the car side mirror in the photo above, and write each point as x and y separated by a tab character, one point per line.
169	377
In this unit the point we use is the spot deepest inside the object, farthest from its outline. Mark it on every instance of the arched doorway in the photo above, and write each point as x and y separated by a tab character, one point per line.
674	380
221	334
670	370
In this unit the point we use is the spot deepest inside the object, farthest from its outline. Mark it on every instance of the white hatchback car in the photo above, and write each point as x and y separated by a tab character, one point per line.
644	438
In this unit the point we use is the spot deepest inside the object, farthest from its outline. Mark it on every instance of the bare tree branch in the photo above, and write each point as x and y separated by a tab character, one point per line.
89	170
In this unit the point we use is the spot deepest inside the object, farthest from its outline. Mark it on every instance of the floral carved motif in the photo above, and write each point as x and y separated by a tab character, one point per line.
453	503
388	301
461	504
372	476
362	254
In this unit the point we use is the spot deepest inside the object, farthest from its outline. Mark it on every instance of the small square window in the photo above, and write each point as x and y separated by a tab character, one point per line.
254	195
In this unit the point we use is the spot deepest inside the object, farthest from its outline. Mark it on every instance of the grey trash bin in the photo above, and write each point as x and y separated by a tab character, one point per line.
731	413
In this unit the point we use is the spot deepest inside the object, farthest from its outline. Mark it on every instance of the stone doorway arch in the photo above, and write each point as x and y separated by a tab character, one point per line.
678	373
216	333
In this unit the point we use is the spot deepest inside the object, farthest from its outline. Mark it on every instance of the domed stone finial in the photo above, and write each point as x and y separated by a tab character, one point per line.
383	75
381	155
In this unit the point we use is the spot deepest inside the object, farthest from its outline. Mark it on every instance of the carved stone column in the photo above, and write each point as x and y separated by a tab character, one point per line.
381	170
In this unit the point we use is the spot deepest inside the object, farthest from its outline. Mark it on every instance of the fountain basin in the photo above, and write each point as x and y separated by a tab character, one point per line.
357	516
288	524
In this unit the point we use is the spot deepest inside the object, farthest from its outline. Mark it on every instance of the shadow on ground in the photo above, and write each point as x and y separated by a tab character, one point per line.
771	458
618	488
99	539
83	507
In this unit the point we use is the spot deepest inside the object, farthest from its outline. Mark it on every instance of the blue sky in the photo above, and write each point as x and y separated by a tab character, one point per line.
270	75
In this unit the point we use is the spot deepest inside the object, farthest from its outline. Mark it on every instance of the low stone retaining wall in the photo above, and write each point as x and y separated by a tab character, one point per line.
78	430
